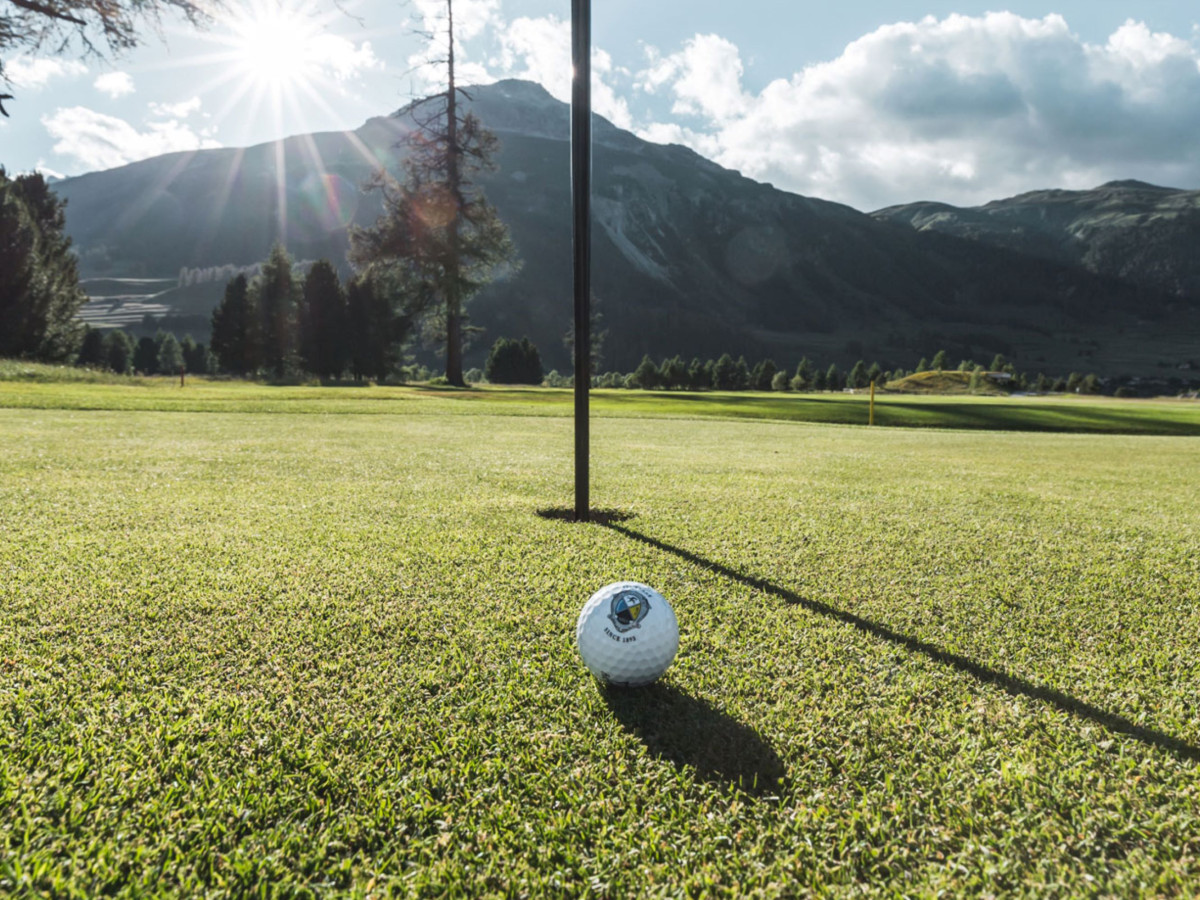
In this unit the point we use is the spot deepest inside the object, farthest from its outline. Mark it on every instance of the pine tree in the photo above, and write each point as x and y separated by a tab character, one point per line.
234	332
673	373
531	363
939	361
803	379
741	374
763	373
39	282
374	330
91	351
833	378
323	322
437	225
195	356
118	352
646	375
724	373
145	356
170	355
275	294
858	376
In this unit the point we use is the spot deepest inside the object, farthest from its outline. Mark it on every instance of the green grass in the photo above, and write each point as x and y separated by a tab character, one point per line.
944	382
52	387
20	371
331	653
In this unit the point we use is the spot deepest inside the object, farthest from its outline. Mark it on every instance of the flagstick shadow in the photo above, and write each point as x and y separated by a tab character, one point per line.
1012	684
689	731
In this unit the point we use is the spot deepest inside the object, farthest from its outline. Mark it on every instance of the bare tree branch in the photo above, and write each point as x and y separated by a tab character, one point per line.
43	9
91	25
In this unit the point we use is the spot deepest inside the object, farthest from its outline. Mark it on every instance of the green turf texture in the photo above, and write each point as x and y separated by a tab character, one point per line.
27	385
272	654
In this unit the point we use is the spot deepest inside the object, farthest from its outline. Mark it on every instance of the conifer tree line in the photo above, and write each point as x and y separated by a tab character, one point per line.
728	374
115	350
281	324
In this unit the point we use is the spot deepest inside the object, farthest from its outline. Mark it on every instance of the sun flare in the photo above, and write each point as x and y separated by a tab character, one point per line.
275	47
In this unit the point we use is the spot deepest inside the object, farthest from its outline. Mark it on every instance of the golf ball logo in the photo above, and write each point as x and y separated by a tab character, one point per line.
628	610
620	641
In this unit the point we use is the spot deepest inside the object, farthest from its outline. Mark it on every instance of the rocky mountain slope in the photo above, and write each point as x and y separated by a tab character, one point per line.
688	257
1139	232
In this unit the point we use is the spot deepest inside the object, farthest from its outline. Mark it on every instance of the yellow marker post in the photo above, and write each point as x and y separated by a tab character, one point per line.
871	414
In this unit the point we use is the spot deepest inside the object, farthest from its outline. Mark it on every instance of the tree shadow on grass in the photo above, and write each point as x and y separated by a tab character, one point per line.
1012	684
689	731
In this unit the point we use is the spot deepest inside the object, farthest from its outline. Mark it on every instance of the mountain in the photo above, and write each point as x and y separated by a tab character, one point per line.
688	257
1131	230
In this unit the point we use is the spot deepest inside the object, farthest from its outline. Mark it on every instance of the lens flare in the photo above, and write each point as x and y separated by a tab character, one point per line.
328	202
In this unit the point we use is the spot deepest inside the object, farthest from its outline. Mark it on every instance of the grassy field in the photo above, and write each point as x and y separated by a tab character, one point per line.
307	645
60	387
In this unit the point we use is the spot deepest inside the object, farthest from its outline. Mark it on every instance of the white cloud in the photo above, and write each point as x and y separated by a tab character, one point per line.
472	19
539	49
705	77
32	72
47	171
180	110
98	141
962	109
115	84
536	49
340	58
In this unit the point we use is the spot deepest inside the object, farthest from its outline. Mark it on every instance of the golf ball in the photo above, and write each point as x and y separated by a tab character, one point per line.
627	634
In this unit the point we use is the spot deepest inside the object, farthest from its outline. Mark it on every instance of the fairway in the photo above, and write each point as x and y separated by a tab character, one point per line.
40	387
328	648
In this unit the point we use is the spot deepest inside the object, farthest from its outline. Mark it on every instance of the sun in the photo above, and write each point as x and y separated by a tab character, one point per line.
274	46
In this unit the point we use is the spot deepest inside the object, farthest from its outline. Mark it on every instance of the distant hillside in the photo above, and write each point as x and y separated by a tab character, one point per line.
689	257
1139	232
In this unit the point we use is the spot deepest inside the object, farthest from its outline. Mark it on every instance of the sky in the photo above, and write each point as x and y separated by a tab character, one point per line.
865	103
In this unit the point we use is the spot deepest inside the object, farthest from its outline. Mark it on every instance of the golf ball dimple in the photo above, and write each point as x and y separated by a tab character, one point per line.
627	634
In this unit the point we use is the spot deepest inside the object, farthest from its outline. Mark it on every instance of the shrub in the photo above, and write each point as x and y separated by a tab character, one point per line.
513	362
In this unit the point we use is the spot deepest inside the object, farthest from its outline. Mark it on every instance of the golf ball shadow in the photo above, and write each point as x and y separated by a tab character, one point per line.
689	731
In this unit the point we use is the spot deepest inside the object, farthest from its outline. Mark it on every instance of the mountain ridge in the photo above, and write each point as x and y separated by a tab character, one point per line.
1129	229
689	257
